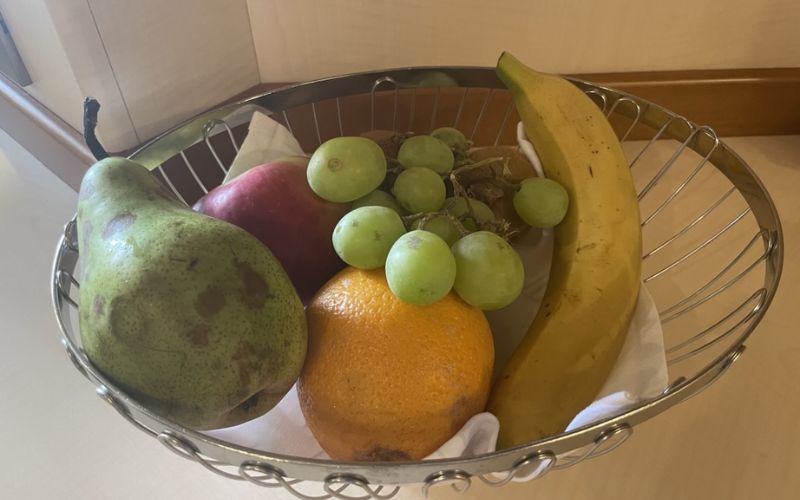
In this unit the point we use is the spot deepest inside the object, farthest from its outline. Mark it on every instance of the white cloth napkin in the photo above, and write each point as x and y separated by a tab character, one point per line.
640	372
266	140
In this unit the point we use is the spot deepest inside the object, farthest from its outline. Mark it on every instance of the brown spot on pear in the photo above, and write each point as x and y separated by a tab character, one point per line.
210	301
254	291
198	335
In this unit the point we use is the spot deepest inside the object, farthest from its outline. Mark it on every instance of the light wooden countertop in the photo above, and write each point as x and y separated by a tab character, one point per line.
739	440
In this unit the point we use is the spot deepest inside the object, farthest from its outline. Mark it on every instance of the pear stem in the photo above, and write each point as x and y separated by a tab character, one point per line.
90	109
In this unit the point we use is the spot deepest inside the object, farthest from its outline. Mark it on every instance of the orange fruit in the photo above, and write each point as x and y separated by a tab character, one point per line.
385	380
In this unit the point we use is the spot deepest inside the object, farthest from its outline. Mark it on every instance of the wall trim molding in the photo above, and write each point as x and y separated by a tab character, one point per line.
45	135
734	102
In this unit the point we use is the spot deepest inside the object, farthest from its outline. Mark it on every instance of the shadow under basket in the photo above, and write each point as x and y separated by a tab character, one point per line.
712	268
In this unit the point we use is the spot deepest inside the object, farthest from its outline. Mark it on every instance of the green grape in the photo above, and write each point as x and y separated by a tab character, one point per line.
426	152
451	136
440	225
363	237
541	202
419	190
378	198
420	268
344	169
457	207
490	272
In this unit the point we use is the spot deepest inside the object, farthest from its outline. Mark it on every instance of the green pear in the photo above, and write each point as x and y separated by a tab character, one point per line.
191	316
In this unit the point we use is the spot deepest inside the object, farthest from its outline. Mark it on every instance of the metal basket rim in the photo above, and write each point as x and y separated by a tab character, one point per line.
668	399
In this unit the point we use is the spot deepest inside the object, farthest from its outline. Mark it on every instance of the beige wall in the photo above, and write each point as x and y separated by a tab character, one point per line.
305	39
54	83
153	63
86	55
150	63
174	58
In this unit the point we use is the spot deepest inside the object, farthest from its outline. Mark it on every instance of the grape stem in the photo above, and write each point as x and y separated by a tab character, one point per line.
505	183
478	164
394	165
459	191
501	227
463	165
425	217
501	181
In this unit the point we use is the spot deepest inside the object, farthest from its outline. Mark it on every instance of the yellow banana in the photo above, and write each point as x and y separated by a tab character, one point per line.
575	338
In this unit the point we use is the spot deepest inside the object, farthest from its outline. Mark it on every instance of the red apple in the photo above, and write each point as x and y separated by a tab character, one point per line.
274	203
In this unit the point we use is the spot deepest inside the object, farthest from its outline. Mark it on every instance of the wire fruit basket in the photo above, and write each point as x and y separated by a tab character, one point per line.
713	252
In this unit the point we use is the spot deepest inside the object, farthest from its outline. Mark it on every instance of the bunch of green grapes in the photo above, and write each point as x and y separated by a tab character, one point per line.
428	243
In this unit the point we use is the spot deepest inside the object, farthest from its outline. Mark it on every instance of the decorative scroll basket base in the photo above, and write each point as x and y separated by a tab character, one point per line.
712	267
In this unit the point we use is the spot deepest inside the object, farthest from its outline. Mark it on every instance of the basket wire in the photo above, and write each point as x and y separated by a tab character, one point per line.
712	271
